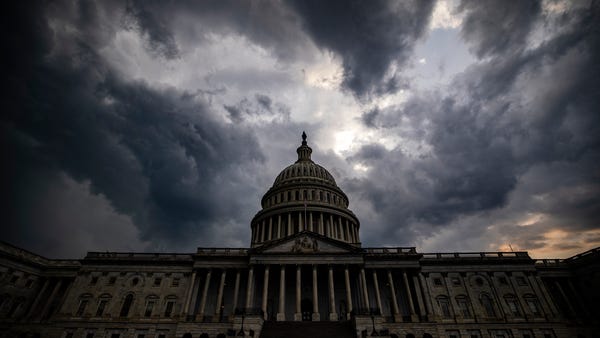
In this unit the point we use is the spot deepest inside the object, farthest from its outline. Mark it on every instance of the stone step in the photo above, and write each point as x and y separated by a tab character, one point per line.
307	329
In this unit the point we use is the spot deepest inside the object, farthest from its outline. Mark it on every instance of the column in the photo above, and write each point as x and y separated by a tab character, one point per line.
364	287
408	293
262	231
250	288
218	309
348	291
420	298
349	234
331	227
397	316
188	298
428	300
265	292
290	228
281	312
332	310
546	295
566	298
315	315
310	222
279	226
298	314
204	294
377	293
38	298
50	299
270	229
321	229
236	290
300	222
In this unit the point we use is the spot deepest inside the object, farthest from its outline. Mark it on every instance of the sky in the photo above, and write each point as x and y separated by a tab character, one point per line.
158	125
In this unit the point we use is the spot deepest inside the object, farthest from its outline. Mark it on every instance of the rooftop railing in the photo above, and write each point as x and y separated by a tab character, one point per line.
391	251
222	251
475	255
138	255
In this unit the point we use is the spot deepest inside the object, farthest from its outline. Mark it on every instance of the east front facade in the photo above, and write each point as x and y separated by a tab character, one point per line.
305	274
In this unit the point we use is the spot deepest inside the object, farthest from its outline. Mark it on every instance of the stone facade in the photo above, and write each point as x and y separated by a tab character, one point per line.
305	263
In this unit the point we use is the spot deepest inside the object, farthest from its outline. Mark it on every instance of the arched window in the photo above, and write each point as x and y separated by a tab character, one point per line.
488	305
463	305
187	335
444	305
102	304
532	304
513	305
84	300
427	335
126	305
169	305
204	335
151	302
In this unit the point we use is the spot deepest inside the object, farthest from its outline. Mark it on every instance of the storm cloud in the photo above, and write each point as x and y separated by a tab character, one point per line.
159	125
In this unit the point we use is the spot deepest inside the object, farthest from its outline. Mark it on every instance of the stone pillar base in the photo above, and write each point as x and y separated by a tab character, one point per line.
316	317
398	318
333	317
281	317
297	317
414	318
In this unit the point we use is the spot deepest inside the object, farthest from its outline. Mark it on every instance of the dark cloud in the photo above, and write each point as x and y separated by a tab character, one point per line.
159	38
369	37
497	27
368	117
159	156
503	119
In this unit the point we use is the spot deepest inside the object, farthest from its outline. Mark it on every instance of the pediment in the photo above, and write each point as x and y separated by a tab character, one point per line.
307	243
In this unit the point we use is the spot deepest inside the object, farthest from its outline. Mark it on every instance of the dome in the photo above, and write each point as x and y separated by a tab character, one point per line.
304	172
304	197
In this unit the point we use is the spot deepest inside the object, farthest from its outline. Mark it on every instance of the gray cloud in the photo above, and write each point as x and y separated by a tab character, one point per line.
503	119
369	36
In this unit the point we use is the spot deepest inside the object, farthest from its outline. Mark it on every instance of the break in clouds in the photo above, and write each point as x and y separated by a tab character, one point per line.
452	126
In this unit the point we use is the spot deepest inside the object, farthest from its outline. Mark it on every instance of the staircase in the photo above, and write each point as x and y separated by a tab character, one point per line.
307	329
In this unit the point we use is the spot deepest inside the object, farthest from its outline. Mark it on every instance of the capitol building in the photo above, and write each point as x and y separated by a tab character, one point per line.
304	274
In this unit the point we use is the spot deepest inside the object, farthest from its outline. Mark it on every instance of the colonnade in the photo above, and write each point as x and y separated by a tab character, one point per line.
286	224
360	291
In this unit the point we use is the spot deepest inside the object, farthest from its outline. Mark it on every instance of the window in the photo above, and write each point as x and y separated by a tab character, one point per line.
526	333
444	306
89	335
94	280
157	281
14	279
511	301
81	309
69	335
474	333
488	305
169	308
532	304
463	306
437	281
126	305
175	282
29	283
112	280
135	281
161	336
101	307
479	281
141	335
149	307
502	280
453	334
521	280
115	335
